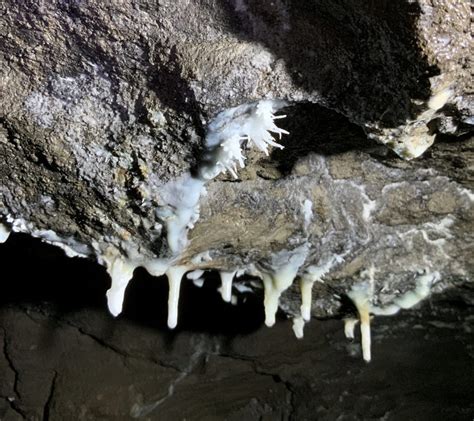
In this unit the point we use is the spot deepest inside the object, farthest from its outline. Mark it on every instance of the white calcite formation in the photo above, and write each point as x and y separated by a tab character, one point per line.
4	233
120	271
361	300
414	137
228	135
362	297
226	287
175	275
277	279
349	327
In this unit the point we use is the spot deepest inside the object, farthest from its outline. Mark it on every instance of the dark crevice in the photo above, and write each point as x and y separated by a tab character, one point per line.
10	363
49	400
329	133
11	403
43	160
16	374
72	285
274	376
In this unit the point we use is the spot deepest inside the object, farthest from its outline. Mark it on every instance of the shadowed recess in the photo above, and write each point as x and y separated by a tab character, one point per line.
37	273
351	53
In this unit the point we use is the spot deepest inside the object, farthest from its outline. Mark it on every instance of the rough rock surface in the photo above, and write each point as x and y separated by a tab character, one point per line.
103	106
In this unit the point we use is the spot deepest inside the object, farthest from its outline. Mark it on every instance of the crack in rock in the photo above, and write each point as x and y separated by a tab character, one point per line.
275	377
99	341
49	400
11	365
13	407
201	349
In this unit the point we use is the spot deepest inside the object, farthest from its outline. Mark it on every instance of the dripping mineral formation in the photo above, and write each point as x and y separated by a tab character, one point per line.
145	141
179	211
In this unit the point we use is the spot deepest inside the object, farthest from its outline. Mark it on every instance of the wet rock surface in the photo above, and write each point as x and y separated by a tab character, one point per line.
64	357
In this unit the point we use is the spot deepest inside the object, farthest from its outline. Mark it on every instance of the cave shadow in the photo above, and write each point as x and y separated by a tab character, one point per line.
38	275
316	129
363	57
319	130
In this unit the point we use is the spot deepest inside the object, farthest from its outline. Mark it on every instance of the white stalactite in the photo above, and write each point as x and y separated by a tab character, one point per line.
226	288
174	274
121	272
4	233
349	326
